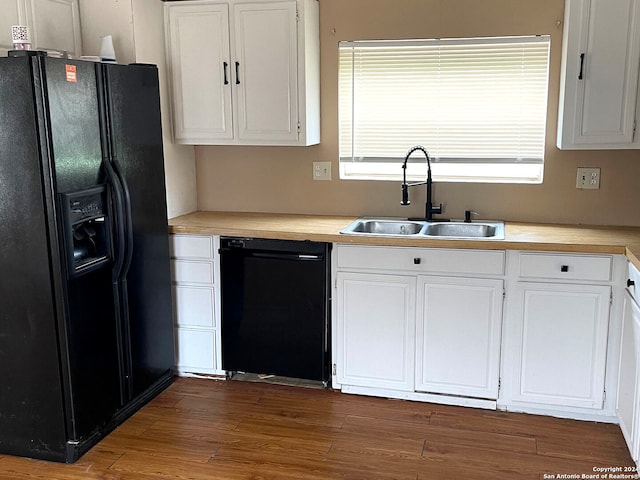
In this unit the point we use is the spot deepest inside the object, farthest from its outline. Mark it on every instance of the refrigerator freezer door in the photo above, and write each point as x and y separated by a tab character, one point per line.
136	146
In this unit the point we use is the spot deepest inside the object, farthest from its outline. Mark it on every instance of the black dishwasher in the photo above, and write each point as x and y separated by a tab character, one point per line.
275	307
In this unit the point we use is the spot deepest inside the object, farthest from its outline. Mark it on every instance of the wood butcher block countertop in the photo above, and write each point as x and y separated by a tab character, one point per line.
518	236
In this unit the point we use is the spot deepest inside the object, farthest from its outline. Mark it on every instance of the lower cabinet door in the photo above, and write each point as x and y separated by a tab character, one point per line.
627	399
561	358
376	325
458	331
195	350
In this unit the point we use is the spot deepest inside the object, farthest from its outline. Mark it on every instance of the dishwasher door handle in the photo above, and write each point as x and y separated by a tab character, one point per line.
272	255
287	256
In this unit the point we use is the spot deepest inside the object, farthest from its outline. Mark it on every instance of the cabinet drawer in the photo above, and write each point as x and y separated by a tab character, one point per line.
194	306
565	267
195	349
421	260
187	271
191	246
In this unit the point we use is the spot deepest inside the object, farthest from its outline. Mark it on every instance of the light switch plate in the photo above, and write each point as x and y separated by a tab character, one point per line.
588	178
322	170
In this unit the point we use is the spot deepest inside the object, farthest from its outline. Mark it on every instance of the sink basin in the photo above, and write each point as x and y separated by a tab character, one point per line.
492	230
380	226
465	230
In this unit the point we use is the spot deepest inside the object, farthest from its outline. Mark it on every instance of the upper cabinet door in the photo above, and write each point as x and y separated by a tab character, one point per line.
55	25
599	80
12	14
265	71
199	59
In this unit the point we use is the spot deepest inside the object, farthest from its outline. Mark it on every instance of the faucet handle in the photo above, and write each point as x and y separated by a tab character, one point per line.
467	215
405	195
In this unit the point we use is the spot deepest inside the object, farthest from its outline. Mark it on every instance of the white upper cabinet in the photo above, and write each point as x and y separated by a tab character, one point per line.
198	37
54	24
599	79
244	73
266	78
12	14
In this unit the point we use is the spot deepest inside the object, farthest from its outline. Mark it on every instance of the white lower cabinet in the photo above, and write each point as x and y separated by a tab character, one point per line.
375	328
562	354
628	399
628	395
458	331
561	334
432	324
195	275
402	332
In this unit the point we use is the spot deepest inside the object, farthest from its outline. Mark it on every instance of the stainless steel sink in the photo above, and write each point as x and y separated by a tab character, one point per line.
492	230
381	226
465	230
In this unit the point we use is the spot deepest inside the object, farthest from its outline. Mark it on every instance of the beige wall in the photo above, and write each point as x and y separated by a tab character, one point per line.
275	179
138	36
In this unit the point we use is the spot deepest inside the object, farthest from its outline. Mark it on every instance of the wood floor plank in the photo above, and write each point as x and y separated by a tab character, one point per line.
599	446
382	447
499	441
144	464
483	458
297	466
285	428
333	403
21	468
187	449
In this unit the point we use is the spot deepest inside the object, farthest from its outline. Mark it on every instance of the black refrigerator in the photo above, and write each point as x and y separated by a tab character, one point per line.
86	333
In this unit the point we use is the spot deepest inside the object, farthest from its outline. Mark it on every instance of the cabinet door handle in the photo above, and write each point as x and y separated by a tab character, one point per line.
630	283
564	268
416	261
237	73
225	67
580	76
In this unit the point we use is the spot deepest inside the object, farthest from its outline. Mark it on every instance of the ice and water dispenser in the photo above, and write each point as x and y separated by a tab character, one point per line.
87	229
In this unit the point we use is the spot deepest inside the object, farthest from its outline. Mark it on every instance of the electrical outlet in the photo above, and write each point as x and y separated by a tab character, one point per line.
588	178
322	170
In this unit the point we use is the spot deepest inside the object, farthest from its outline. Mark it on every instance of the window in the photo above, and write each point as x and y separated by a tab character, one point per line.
478	106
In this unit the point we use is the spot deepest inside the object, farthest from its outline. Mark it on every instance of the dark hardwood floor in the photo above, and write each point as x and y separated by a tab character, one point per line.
204	429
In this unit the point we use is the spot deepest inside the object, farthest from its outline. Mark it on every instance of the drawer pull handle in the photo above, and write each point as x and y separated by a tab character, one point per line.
416	261
630	283
564	268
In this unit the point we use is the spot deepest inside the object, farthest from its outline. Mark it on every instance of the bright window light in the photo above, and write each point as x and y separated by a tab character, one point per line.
478	105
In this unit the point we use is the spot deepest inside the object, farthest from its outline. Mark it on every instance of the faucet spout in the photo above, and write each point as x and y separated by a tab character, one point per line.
429	208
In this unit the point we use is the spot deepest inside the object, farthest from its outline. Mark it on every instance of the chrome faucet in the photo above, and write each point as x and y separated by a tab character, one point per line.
429	208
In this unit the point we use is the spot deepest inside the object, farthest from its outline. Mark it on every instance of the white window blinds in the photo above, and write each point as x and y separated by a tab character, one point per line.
478	106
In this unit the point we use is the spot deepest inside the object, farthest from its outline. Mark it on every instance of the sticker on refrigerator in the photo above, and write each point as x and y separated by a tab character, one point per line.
71	73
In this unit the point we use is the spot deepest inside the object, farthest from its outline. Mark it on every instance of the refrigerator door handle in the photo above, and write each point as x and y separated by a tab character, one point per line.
120	249
128	220
124	289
